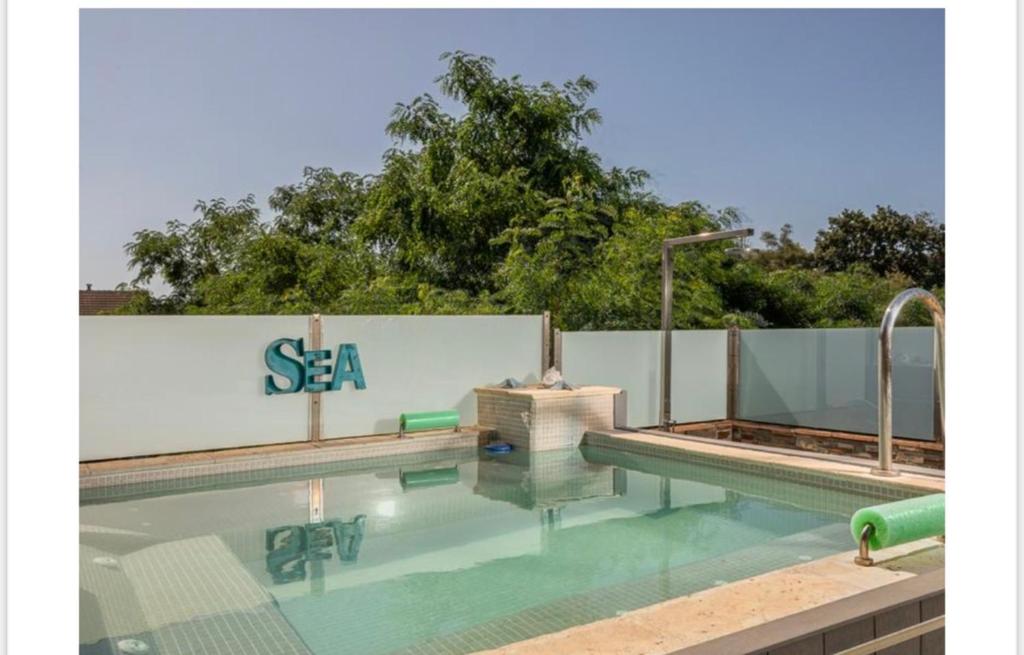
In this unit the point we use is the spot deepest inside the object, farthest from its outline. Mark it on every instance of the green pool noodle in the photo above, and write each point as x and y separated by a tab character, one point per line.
429	477
902	521
412	421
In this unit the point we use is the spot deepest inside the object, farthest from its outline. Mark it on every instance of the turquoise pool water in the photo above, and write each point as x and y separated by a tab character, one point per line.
445	553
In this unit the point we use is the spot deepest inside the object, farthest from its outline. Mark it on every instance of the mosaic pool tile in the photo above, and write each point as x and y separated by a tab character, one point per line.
508	548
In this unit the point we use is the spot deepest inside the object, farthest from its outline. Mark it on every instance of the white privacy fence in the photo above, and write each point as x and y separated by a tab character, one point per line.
632	361
424	363
164	384
820	378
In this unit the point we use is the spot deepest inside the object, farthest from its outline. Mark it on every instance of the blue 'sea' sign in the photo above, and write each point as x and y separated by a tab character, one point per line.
303	371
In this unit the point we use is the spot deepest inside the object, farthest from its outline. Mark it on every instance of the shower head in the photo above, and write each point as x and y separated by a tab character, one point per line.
742	251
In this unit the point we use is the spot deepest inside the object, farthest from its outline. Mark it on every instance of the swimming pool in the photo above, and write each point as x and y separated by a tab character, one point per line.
448	552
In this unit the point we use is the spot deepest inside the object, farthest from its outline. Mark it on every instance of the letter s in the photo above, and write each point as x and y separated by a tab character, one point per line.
283	365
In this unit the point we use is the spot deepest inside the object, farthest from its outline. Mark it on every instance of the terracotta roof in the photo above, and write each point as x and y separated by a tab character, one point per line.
92	302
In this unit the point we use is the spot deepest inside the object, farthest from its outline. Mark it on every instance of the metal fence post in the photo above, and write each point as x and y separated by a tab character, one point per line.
315	400
665	408
732	375
558	349
545	343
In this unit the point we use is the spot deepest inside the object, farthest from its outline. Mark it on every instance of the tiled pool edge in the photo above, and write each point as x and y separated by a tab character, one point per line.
668	627
258	462
850	477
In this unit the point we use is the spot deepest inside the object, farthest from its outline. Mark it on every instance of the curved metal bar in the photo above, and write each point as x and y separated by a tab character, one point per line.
666	308
892	312
863	557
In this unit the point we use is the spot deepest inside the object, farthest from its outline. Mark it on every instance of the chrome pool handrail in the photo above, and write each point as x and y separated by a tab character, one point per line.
885	332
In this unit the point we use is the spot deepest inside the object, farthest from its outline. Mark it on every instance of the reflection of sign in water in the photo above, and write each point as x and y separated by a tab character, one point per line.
290	547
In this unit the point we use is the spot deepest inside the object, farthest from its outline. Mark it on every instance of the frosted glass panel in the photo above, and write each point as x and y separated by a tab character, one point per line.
425	363
165	384
628	360
631	360
699	375
827	379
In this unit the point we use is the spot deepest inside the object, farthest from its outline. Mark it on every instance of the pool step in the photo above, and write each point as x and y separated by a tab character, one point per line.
180	598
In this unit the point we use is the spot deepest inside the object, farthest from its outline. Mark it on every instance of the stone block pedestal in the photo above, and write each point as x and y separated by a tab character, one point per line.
545	419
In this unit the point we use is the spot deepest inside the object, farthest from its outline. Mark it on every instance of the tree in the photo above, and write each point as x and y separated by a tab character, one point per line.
452	185
322	207
500	207
888	242
185	255
782	251
592	281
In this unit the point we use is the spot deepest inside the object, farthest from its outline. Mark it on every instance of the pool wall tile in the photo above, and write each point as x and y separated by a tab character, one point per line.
771	471
256	467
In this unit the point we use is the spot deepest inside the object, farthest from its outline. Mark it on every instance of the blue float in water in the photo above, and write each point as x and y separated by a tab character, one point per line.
498	447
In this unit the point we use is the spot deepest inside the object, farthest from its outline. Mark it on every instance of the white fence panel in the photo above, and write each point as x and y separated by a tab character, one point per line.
631	360
425	363
164	384
628	360
699	375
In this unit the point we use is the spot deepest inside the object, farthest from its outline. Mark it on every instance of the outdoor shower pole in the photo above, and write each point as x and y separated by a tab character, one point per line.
666	308
666	335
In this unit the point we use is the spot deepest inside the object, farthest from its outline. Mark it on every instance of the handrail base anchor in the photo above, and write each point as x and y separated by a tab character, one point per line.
863	557
884	473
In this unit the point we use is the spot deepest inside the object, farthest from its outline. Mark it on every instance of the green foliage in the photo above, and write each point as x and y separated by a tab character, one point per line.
186	255
499	207
888	242
806	298
453	185
619	287
322	207
781	252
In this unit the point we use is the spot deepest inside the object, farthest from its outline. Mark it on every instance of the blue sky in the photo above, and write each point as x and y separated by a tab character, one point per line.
788	115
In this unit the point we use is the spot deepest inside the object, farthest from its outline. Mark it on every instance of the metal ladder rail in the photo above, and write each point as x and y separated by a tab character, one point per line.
885	334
